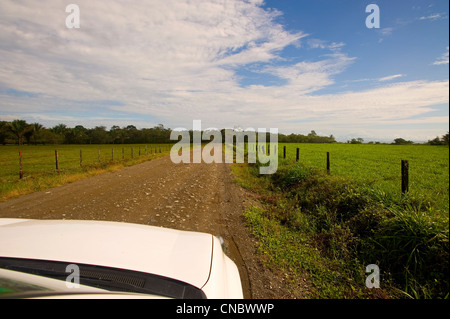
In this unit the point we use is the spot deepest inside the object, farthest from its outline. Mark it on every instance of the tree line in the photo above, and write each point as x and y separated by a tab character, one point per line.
443	140
20	132
312	137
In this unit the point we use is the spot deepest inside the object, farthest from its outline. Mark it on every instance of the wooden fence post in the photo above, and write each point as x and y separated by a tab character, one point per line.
57	160
20	165
99	156
284	151
405	177
123	153
328	162
297	156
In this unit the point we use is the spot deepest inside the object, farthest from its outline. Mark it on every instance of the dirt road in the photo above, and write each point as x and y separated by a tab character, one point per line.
197	197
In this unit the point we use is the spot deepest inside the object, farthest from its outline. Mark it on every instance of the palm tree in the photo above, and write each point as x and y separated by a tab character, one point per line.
60	129
36	129
19	129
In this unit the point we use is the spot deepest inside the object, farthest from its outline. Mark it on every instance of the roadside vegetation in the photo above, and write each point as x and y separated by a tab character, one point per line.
329	227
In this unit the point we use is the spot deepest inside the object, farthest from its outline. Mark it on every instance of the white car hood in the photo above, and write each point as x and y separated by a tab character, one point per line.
180	255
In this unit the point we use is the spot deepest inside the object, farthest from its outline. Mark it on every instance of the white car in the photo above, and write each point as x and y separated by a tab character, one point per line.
99	259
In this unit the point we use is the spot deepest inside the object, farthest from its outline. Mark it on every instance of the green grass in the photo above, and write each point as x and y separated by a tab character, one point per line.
39	164
330	226
378	166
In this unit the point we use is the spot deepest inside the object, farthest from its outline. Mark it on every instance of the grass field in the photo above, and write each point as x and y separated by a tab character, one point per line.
329	227
39	164
378	166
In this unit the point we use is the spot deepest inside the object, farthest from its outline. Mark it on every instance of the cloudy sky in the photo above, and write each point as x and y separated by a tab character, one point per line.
295	65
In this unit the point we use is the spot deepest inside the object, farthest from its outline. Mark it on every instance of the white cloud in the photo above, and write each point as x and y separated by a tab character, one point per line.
321	44
443	59
386	31
434	16
307	77
174	61
391	77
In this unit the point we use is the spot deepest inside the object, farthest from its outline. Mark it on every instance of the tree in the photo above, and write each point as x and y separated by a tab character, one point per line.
332	139
161	134
358	140
99	135
119	134
37	128
116	133
76	135
19	128
5	132
49	137
28	134
59	129
445	139
402	141
435	141
439	140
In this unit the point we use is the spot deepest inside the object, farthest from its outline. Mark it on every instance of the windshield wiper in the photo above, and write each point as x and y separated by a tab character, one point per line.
108	278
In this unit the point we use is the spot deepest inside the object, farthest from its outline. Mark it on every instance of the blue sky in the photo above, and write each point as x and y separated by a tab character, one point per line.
288	64
410	35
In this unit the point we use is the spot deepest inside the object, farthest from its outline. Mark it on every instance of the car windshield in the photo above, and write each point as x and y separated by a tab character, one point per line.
112	279
12	286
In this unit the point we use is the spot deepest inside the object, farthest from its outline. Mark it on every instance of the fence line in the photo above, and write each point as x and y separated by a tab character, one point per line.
404	173
82	157
404	176
158	149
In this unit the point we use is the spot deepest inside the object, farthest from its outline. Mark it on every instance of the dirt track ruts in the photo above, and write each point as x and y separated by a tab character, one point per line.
196	197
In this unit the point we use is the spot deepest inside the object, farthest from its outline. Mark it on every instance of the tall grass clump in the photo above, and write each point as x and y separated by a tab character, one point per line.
413	244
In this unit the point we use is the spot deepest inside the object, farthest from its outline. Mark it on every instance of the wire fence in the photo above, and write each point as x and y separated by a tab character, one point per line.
31	162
